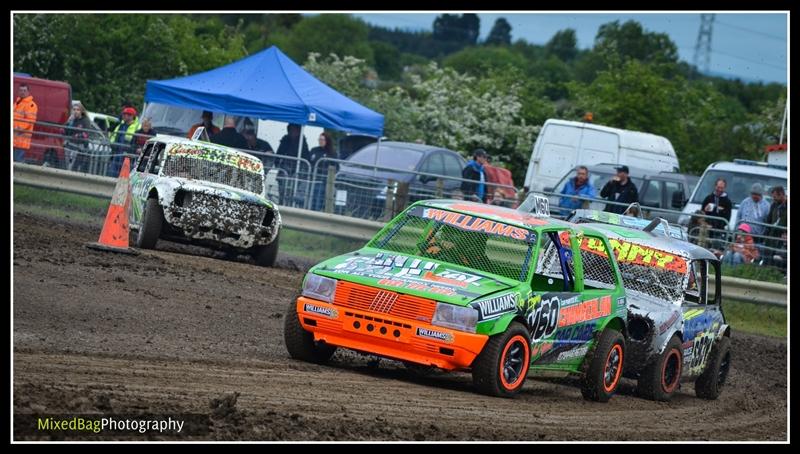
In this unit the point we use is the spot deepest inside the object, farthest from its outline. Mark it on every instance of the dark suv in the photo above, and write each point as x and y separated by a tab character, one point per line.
666	190
362	181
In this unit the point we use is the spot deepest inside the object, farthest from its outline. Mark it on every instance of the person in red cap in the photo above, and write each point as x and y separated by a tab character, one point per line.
743	250
122	139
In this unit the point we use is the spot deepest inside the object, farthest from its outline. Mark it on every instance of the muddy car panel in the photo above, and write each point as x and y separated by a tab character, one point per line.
692	312
205	211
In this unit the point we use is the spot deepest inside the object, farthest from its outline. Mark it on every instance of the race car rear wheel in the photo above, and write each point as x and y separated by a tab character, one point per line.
501	368
709	384
300	343
602	377
266	255
661	378
152	222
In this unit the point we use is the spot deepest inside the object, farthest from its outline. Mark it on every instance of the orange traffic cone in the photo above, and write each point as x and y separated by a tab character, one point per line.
114	236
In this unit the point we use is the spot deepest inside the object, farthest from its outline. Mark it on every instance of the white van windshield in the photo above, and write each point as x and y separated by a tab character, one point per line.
738	185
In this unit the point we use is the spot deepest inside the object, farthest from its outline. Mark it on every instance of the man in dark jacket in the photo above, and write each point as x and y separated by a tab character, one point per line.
229	136
620	189
474	171
288	147
719	205
778	217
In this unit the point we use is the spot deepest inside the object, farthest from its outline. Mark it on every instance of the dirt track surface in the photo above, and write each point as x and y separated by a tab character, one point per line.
174	332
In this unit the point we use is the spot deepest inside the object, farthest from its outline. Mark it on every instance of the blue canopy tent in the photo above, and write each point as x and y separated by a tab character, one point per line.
270	86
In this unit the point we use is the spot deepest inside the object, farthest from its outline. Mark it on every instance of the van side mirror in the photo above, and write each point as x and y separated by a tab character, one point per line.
678	199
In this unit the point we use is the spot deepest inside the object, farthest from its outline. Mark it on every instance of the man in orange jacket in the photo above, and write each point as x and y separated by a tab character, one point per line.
25	111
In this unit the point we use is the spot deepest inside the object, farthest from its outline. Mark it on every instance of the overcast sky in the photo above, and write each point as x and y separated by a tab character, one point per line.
750	46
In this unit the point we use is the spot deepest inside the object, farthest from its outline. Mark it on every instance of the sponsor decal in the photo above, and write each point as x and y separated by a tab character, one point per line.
576	334
496	307
540	348
475	224
544	318
692	313
326	311
573	353
500	213
627	252
664	326
585	311
434	334
212	154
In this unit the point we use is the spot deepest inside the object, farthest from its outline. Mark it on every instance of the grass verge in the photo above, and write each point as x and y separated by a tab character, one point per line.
755	318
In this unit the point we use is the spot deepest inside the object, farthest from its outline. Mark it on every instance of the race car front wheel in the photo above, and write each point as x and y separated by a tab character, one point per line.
709	384
266	255
152	221
501	368
602	377
660	379
300	343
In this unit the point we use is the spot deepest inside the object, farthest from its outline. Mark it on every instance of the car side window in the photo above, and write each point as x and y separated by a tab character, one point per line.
434	164
652	194
144	157
696	290
670	187
452	166
157	157
555	269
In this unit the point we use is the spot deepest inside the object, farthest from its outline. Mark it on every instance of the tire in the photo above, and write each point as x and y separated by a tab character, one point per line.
601	379
152	221
267	255
300	343
661	378
709	384
502	366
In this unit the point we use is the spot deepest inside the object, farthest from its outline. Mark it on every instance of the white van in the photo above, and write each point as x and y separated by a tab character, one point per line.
562	145
739	177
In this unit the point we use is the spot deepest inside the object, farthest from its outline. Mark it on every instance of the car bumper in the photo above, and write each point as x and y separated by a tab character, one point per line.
391	337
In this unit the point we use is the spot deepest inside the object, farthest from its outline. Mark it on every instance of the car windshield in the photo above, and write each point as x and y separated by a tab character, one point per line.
460	239
388	156
738	185
215	166
596	179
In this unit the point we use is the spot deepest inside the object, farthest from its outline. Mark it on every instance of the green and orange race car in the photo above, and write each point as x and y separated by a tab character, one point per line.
465	286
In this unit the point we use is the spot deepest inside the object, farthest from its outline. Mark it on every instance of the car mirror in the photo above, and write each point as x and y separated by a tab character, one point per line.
678	199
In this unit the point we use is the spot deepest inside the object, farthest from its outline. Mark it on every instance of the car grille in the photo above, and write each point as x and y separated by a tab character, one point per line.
204	170
361	297
222	207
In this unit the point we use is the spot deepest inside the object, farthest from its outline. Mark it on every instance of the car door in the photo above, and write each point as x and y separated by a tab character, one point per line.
453	167
702	315
425	186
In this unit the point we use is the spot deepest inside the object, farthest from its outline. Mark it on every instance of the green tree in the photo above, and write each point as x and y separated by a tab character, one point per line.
564	45
630	40
500	35
480	60
463	30
387	60
325	34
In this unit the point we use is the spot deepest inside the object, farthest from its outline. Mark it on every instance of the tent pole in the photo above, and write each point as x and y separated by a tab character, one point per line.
783	123
375	165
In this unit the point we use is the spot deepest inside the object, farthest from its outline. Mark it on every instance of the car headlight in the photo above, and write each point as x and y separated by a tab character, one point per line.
319	287
456	317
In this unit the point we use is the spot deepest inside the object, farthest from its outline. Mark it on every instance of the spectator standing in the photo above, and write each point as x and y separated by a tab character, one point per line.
620	189
76	146
261	147
743	250
474	171
122	139
719	205
229	136
206	119
578	186
144	133
25	112
288	147
754	209
324	150
778	218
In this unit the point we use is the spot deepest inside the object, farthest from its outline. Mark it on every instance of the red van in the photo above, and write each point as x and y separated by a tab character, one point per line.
54	100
